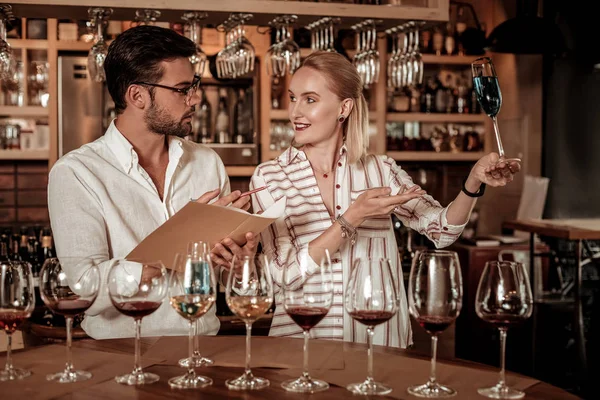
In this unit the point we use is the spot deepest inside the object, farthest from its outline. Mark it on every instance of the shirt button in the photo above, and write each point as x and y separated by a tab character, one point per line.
338	207
337	186
445	228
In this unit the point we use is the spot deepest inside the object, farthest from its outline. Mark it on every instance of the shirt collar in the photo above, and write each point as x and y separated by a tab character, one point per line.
292	153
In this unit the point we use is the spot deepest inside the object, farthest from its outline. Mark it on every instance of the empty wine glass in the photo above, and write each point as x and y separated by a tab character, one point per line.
503	299
487	88
7	59
99	50
16	305
137	289
199	58
434	300
69	287
192	292
198	253
249	295
307	296
371	299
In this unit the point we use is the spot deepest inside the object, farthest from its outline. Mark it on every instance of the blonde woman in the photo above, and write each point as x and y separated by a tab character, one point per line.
338	194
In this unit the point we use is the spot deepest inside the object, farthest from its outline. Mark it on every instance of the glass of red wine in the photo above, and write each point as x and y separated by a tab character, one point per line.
192	292
249	295
69	287
371	299
200	252
137	289
307	286
435	301
487	89
17	302
503	299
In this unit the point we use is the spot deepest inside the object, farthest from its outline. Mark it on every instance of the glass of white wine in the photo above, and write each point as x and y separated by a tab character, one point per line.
249	295
192	292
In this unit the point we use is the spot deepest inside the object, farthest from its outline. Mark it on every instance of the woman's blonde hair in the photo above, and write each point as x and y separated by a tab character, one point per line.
343	80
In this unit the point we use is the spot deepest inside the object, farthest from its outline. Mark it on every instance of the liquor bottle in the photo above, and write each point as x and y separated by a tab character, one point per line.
24	245
34	253
14	247
222	124
4	248
203	120
47	250
239	127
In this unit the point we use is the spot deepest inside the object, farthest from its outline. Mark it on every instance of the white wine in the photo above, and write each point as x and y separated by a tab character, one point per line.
249	308
192	306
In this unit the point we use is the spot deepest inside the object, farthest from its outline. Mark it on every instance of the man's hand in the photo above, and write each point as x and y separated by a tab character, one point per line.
232	198
223	252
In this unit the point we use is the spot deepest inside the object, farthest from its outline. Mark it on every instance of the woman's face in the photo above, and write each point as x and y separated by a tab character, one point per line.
313	109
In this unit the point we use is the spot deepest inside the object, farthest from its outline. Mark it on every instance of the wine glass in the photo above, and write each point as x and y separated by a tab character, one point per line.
197	252
98	52
434	300
371	299
137	289
307	296
192	292
487	88
199	58
249	295
69	287
503	299
16	305
7	59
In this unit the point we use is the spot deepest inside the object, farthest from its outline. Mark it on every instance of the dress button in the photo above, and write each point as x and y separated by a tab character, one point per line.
339	164
338	207
445	228
337	186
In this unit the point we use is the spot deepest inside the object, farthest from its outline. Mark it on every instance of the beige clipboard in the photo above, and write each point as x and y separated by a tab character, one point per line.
206	222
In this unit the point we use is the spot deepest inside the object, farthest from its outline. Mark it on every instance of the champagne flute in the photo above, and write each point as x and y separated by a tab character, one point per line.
434	300
193	291
199	253
249	295
137	289
16	305
487	88
307	298
371	299
69	287
503	299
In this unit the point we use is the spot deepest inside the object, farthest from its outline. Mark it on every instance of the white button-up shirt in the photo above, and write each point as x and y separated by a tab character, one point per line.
102	203
306	218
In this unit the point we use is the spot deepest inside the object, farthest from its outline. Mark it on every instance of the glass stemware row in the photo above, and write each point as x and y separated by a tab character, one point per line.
7	59
366	60
236	59
405	63
283	56
322	35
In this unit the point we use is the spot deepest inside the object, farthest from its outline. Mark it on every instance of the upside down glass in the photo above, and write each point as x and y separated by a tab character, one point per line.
307	296
434	300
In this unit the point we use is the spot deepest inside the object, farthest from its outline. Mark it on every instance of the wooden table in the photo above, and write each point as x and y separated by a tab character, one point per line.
396	367
577	230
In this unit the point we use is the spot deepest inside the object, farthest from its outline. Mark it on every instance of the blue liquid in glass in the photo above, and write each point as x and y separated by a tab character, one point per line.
488	94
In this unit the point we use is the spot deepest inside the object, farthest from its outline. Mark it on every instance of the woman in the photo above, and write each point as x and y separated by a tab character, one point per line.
341	198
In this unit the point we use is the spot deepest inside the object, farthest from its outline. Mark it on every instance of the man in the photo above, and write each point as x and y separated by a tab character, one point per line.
107	196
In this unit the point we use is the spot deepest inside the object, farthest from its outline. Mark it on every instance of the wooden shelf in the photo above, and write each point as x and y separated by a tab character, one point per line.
436	117
448	60
240	170
280	115
434	156
24	154
25	111
29	44
73	45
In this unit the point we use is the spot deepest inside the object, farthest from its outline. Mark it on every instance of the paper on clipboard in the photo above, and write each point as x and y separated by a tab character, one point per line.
206	222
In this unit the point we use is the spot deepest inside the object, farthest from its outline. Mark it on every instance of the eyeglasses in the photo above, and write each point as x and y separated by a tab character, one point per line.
188	92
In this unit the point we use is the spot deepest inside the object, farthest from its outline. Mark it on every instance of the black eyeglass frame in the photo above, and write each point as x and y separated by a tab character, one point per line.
185	91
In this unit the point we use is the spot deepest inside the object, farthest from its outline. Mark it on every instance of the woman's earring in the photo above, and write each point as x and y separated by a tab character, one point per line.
341	118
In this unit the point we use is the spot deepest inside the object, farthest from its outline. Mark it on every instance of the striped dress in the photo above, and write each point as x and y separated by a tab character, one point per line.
306	217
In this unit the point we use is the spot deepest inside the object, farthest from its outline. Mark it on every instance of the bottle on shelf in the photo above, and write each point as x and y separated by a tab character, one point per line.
242	119
4	246
47	249
222	125
449	40
203	120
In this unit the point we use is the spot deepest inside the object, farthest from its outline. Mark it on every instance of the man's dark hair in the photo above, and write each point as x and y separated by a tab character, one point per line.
135	56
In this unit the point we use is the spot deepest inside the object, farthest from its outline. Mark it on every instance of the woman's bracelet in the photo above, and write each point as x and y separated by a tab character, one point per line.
348	231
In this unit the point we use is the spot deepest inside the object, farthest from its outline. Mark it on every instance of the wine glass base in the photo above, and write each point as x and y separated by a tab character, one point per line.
69	376
305	385
431	391
369	388
13	374
142	378
198	362
247	383
190	382
501	392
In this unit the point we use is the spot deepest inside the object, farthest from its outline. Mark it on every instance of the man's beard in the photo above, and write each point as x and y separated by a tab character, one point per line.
158	120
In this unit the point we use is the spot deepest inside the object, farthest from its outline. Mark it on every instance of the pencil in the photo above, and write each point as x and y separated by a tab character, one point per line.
253	191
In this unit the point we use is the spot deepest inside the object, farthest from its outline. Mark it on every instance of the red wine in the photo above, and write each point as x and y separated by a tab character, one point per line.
70	308
10	320
306	317
138	309
503	320
371	318
434	325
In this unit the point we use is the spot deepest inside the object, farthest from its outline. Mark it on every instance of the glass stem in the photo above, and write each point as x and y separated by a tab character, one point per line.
99	31
248	372
305	374
434	341
502	381
2	29
137	367
370	333
196	352
9	365
69	366
191	347
498	140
